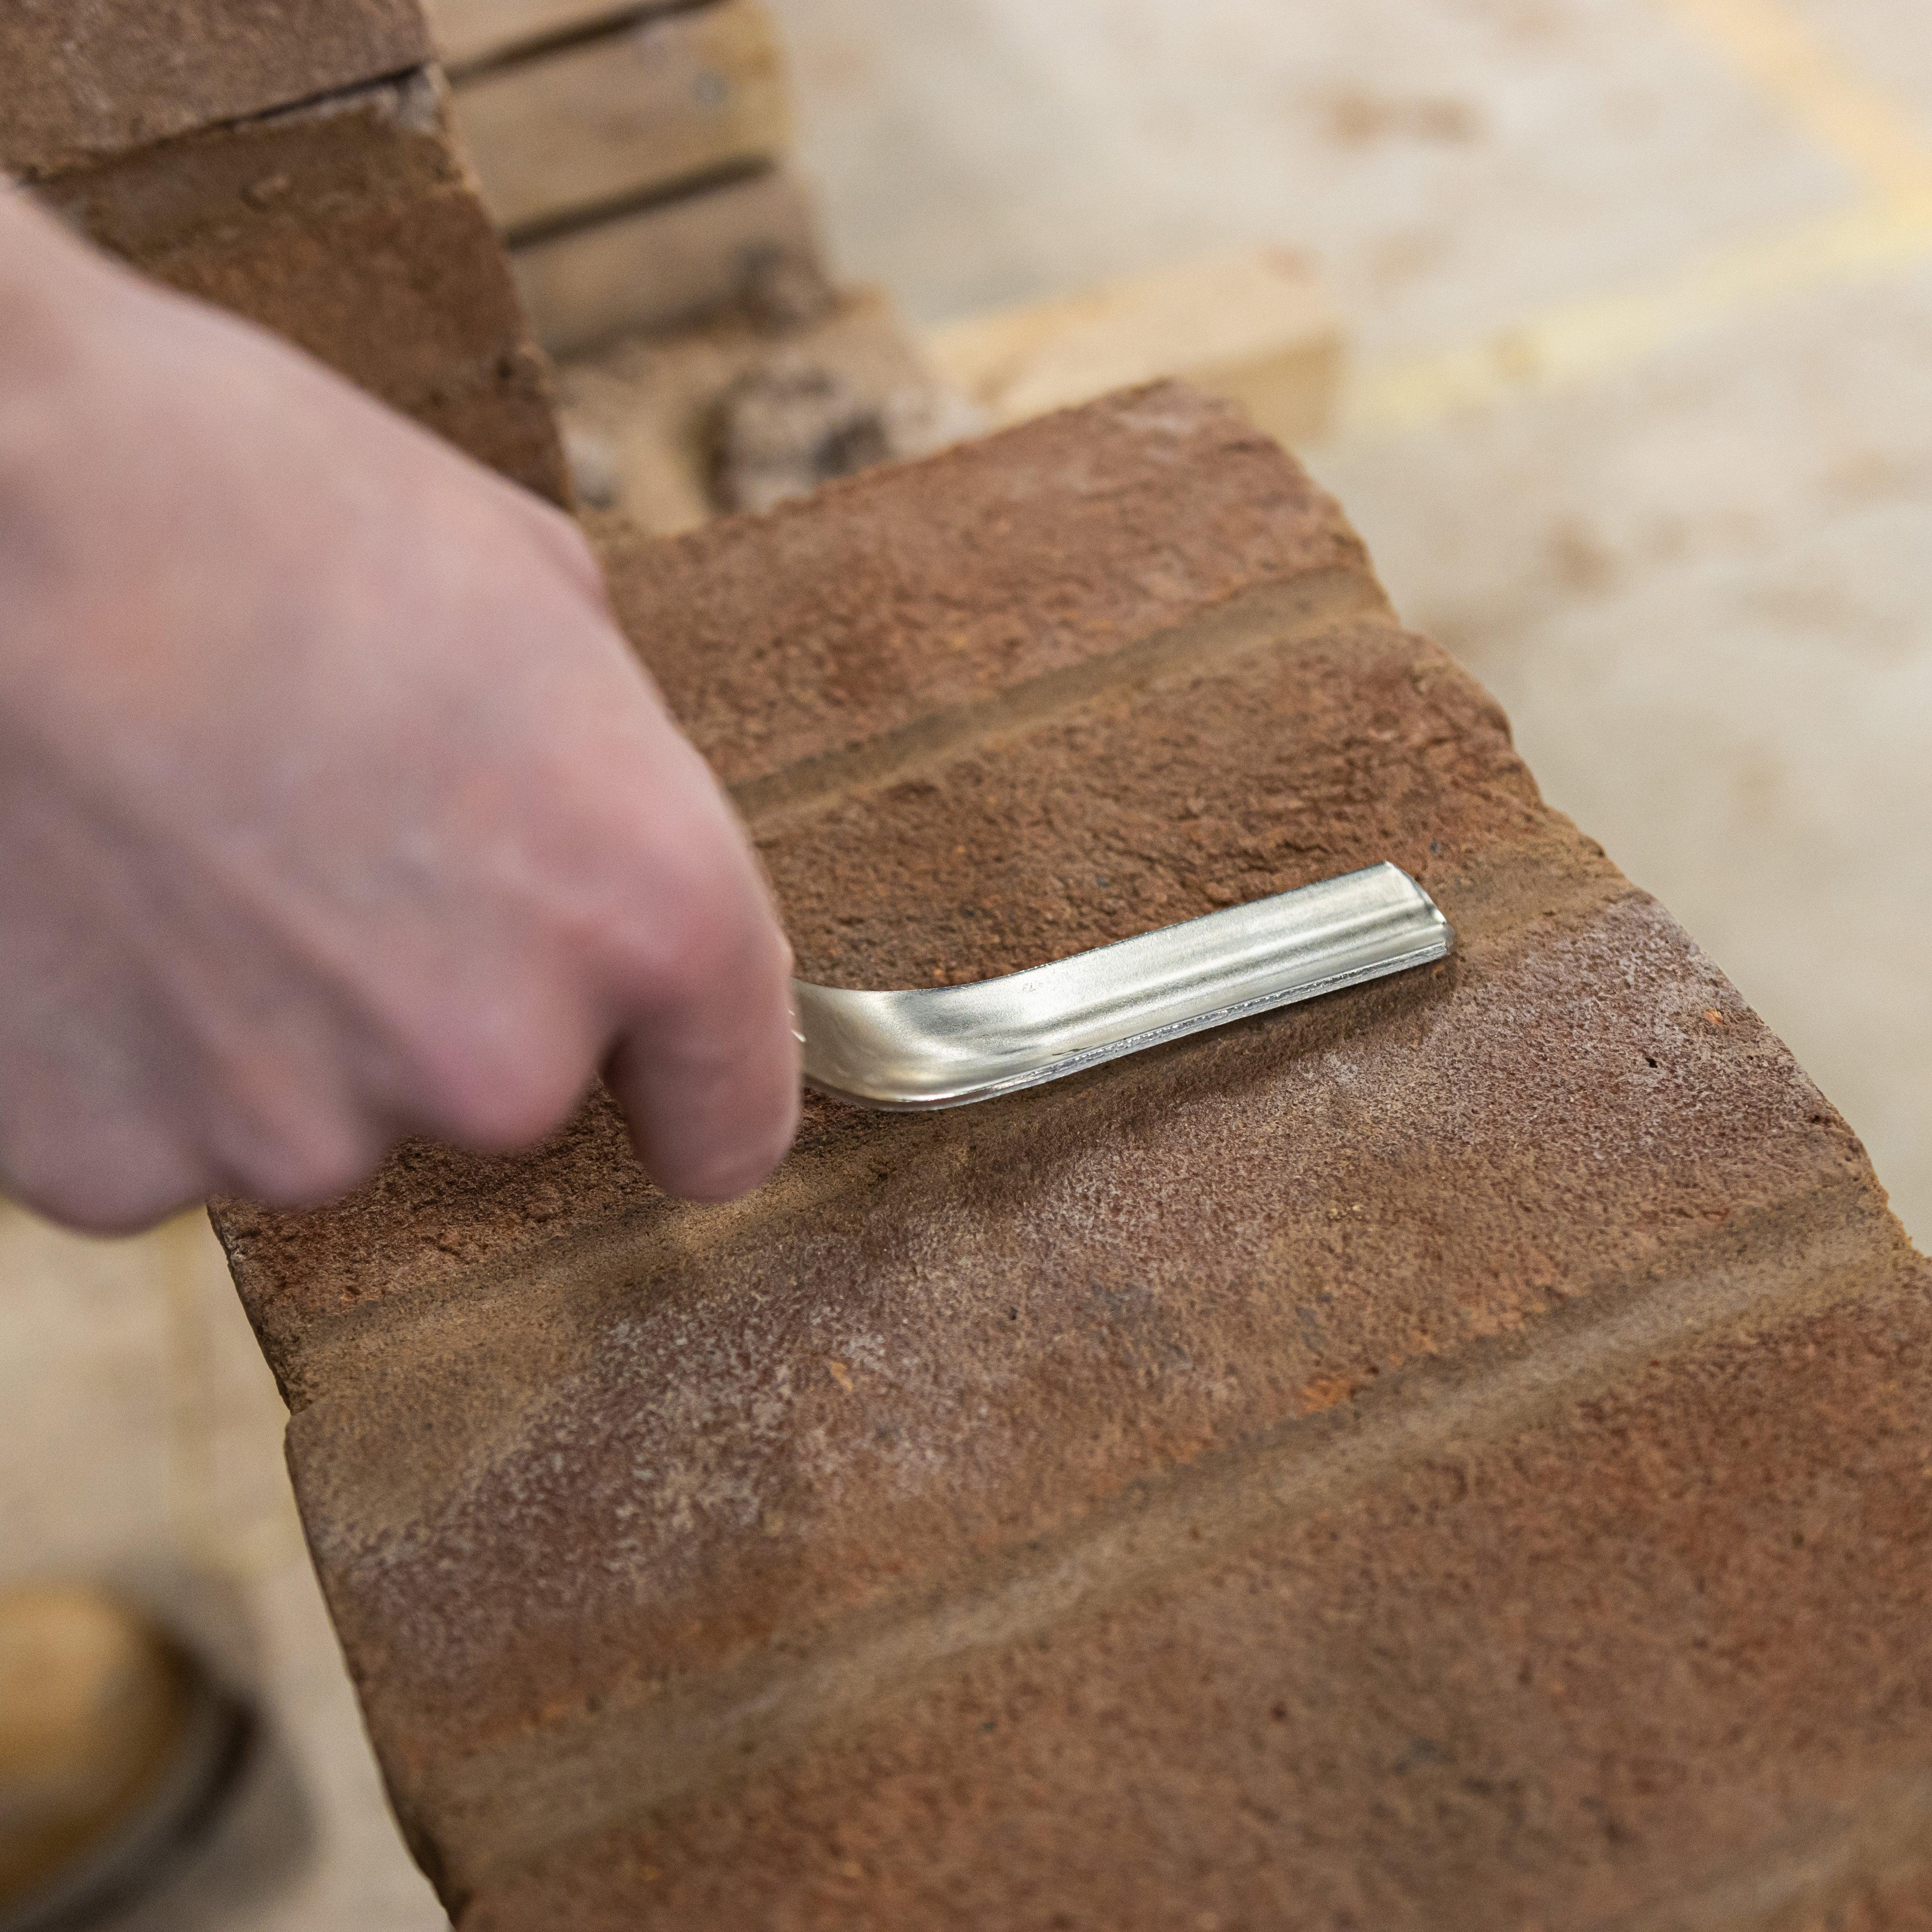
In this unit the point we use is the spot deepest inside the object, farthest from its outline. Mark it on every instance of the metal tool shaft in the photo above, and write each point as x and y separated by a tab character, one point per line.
948	1046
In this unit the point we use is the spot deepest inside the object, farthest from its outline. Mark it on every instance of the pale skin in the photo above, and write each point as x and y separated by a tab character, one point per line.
334	808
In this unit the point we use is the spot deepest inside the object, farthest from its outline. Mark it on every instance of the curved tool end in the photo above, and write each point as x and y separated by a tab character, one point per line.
948	1046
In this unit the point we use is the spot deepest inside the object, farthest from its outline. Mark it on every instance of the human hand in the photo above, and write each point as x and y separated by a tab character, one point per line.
333	806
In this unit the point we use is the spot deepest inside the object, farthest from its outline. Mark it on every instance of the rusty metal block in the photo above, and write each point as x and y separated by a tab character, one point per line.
1455	1454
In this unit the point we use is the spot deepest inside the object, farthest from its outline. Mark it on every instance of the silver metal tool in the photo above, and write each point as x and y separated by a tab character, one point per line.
946	1046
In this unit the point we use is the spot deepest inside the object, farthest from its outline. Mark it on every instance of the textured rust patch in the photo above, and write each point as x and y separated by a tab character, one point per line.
1394	1461
1035	1307
885	600
1663	1641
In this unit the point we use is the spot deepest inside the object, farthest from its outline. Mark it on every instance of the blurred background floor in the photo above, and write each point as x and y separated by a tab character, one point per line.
1640	425
141	1448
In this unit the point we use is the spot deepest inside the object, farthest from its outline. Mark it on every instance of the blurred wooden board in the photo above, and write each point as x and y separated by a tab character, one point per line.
468	32
1255	329
673	100
661	265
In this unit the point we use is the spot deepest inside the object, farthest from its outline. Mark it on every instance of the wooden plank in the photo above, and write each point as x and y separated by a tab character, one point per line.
469	32
1254	329
670	99
667	263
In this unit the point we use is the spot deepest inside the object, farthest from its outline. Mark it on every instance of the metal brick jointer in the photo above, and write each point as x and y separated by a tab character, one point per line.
1453	1454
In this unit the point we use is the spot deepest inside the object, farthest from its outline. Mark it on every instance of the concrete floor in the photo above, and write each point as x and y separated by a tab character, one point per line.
1640	426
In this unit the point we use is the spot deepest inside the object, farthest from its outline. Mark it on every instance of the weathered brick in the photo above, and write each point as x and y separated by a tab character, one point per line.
84	80
1454	1454
991	566
351	228
1629	1630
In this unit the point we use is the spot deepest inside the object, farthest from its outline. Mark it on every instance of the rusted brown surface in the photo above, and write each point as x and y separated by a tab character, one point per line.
83	80
1455	1454
350	228
1645	1648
